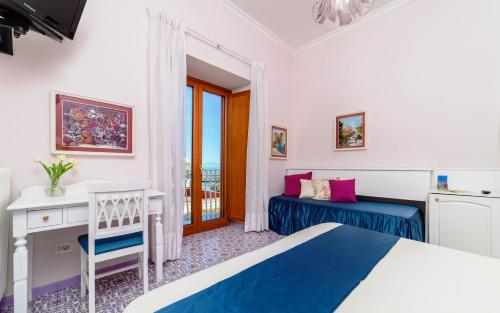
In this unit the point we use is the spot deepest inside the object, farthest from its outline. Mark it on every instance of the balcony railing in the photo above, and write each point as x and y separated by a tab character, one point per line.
211	204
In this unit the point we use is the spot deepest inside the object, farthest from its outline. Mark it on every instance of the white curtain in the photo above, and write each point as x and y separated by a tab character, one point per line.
166	101
256	202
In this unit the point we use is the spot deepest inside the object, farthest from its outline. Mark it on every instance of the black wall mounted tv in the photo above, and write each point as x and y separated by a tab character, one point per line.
52	18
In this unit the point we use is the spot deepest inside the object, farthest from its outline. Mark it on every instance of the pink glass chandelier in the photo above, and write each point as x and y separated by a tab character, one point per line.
340	12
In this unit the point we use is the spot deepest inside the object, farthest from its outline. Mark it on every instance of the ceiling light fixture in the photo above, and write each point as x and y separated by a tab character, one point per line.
340	12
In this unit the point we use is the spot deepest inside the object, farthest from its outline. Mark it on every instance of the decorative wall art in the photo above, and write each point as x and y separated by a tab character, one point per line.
83	125
279	144
350	131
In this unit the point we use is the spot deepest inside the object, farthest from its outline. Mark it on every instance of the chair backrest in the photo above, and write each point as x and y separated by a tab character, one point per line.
117	209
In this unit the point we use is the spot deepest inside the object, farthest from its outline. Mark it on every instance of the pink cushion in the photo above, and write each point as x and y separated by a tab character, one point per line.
292	183
343	190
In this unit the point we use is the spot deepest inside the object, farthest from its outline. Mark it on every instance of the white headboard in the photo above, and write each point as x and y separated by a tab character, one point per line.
4	227
404	184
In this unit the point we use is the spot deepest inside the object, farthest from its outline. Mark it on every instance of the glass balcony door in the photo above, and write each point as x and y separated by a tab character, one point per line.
205	137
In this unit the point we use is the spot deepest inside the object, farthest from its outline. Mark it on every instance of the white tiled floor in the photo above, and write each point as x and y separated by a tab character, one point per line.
199	251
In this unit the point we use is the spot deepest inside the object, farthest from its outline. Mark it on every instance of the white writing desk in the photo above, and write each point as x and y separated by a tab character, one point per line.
34	212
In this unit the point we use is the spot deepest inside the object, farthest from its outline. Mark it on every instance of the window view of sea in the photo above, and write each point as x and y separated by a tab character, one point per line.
211	124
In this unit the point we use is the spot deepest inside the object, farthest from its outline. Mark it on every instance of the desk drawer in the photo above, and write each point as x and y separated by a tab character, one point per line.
78	214
45	218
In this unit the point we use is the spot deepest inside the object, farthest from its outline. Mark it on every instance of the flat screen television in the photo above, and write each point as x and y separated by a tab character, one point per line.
61	16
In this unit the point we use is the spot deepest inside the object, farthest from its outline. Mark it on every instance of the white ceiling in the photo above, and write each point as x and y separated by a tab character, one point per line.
212	74
290	20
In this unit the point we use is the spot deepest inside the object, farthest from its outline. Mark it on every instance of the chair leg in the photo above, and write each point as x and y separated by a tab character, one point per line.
83	271
139	272
91	287
145	270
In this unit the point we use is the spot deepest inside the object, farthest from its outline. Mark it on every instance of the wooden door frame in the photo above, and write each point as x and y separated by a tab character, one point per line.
199	86
192	228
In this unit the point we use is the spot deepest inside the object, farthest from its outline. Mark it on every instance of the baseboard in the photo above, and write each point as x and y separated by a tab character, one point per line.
8	301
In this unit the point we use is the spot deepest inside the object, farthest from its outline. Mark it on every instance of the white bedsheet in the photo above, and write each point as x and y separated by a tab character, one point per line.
412	277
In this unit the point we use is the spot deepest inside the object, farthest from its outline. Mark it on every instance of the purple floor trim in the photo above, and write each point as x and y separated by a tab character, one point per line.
115	292
8	301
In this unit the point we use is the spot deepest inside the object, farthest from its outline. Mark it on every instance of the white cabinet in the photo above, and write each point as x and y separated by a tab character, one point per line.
468	223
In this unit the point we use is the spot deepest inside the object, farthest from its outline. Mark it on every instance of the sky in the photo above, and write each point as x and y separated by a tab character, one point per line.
211	127
353	121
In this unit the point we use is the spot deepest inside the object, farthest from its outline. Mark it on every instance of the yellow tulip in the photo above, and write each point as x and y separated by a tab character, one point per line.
37	160
61	157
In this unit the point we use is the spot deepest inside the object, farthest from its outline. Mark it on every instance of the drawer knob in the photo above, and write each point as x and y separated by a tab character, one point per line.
437	200
45	218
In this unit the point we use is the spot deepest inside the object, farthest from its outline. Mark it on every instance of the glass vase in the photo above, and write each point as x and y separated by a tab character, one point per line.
55	189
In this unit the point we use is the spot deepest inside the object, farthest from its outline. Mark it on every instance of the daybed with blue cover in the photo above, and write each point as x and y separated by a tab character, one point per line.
288	215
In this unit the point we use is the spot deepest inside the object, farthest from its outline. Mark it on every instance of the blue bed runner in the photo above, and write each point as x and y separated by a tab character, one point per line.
288	215
315	276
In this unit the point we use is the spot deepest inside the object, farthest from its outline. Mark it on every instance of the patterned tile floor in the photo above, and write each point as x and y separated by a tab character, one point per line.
199	251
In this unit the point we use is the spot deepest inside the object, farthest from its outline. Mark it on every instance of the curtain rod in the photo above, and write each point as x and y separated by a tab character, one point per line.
218	46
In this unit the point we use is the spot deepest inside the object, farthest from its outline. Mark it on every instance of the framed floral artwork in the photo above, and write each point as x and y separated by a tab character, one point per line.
82	125
279	144
350	131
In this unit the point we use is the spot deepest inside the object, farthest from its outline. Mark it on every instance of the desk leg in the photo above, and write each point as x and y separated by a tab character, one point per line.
20	262
30	267
159	248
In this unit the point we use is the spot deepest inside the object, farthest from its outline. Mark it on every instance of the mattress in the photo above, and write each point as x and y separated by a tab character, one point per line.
412	277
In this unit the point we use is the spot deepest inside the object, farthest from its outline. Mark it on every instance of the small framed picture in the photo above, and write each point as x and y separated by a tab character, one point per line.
86	126
279	144
442	182
350	131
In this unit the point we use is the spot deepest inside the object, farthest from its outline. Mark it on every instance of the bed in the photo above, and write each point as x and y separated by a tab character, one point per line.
399	275
288	215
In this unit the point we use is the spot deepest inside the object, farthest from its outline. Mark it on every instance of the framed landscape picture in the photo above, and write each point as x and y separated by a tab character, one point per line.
81	125
350	131
279	144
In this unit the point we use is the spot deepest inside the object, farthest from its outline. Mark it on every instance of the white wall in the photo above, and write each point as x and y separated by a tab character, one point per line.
428	75
108	60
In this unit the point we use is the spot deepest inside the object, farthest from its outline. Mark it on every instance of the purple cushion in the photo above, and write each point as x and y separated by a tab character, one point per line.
343	190
292	183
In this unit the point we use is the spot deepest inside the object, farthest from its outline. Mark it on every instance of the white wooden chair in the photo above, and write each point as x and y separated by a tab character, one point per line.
118	226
